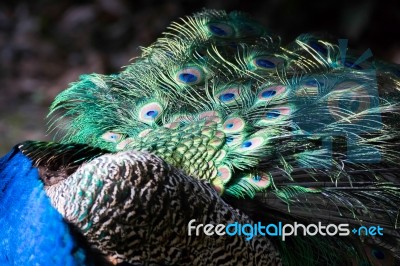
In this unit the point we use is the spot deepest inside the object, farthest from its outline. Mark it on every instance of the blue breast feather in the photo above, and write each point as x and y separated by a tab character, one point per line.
32	232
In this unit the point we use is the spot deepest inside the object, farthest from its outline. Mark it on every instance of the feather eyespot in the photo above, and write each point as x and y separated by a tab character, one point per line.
222	30
277	112
224	173
273	115
247	144
190	75
252	144
256	178
111	137
266	62
150	112
229	96
268	94
187	77
271	92
260	180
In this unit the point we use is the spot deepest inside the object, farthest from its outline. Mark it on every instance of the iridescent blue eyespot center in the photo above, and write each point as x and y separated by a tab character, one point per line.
265	63
111	137
152	113
257	178
273	114
187	77
246	144
268	94
230	125
217	30
227	96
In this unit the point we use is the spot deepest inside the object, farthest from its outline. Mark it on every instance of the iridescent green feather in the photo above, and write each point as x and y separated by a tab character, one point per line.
222	63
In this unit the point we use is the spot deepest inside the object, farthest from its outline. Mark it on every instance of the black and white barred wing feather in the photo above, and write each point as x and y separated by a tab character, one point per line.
136	208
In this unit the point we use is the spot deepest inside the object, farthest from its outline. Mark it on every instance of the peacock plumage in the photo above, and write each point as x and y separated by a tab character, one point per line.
32	232
218	121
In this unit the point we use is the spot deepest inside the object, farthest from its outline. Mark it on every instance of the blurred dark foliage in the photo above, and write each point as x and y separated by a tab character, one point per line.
45	44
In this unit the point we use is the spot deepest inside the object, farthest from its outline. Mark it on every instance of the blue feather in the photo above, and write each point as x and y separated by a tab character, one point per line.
32	232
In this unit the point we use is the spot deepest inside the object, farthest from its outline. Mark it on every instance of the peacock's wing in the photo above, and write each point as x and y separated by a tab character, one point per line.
136	208
32	232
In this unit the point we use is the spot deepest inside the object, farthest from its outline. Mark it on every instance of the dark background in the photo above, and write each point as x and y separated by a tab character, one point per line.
46	44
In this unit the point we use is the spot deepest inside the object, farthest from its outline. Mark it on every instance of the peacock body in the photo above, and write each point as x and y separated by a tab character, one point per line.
247	130
32	232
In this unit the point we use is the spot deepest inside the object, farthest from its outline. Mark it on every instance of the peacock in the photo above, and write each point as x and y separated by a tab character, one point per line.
220	122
